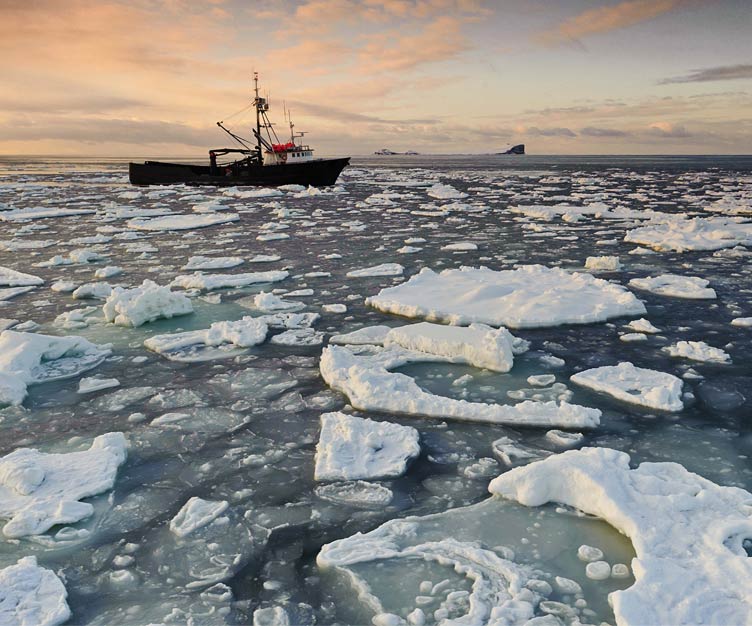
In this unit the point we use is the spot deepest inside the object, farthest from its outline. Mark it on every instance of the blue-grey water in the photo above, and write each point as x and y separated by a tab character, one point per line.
254	418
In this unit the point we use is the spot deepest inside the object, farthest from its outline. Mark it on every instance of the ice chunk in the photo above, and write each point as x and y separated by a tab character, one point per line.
698	351
358	494
466	246
213	263
298	337
445	192
12	278
368	384
268	302
28	358
743	322
520	298
563	439
589	554
385	269
183	222
31	595
39	490
351	447
477	345
643	326
187	346
149	302
603	263
636	385
98	290
334	308
681	235
207	282
90	385
688	533
598	570
195	514
512	453
108	271
691	287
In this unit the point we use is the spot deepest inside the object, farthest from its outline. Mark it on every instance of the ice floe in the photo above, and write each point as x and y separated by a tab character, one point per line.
195	514
698	351
603	263
30	358
191	345
688	532
636	385
691	287
149	302
385	269
370	386
40	490
13	278
31	595
182	222
352	448
213	263
528	297
682	235
207	282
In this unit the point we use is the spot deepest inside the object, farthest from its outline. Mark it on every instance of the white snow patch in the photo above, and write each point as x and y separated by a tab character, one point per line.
681	235
698	351
213	263
182	222
385	269
31	595
691	287
603	263
195	514
207	282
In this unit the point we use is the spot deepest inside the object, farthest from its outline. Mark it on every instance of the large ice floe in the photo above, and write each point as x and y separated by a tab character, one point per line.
698	351
183	222
31	595
369	385
527	297
636	385
690	287
149	302
699	233
29	358
207	282
689	534
352	448
39	490
221	339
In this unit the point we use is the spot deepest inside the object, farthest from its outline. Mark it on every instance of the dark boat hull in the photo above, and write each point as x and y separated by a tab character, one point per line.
318	173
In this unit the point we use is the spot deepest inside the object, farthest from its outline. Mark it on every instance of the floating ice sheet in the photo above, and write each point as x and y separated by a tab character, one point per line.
688	532
207	282
31	595
183	222
528	297
700	233
635	385
149	302
352	448
691	287
39	490
13	278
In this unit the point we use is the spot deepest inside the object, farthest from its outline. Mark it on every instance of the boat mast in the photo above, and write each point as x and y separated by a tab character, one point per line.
258	104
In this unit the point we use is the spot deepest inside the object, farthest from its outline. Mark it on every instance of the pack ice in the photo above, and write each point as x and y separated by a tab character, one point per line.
31	595
688	533
352	448
530	296
29	358
39	490
149	302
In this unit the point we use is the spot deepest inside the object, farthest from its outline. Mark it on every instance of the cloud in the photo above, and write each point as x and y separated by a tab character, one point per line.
709	74
549	132
595	131
669	130
605	19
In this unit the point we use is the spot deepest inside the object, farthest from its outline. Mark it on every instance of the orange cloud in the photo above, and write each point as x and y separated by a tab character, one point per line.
606	19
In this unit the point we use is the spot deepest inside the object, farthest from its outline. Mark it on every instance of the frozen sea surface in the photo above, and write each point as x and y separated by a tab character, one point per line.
239	424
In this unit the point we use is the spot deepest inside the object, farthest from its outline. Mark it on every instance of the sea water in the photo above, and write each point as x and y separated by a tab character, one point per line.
252	419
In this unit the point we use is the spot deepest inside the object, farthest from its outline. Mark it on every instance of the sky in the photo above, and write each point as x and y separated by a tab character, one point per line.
152	77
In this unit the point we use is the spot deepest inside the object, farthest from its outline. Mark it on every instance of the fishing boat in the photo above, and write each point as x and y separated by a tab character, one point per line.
269	163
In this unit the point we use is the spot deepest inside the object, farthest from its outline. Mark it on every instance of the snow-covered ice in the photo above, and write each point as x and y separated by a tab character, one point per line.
688	532
207	282
698	351
692	287
149	302
520	298
40	490
699	233
352	448
636	385
31	595
13	278
182	222
195	514
385	269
